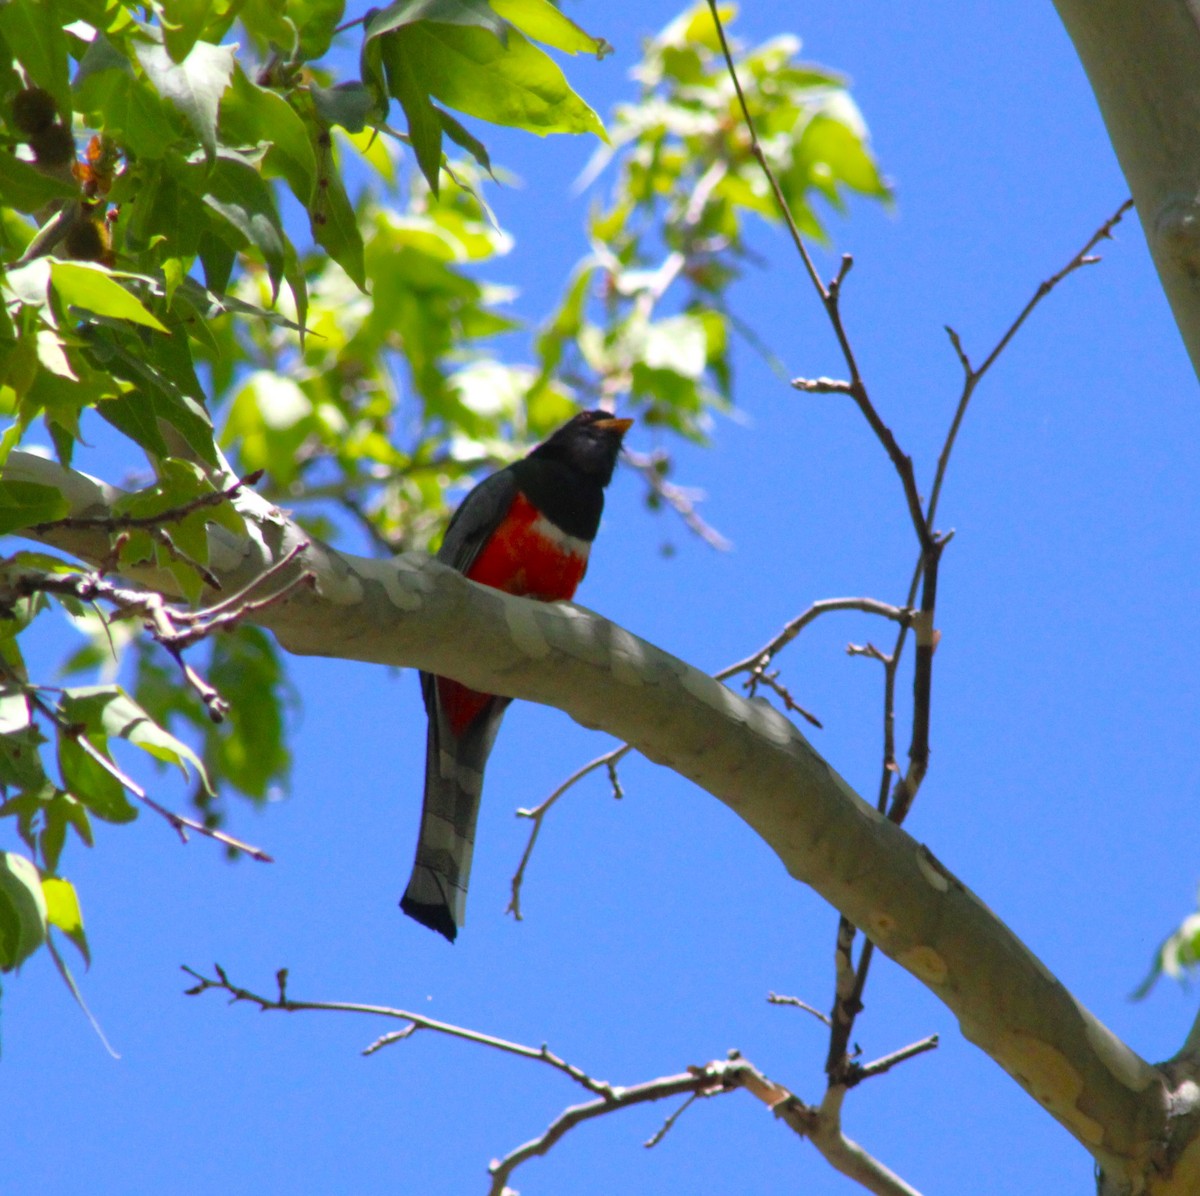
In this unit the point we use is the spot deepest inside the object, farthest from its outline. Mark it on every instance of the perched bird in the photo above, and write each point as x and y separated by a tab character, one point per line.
526	530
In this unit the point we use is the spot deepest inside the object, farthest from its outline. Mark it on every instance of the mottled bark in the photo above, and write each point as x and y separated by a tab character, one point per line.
1135	1119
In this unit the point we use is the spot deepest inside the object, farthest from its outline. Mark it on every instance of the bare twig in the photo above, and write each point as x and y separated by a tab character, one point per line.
848	1157
755	665
778	999
417	1021
678	498
175	628
772	682
865	1071
117	523
712	1079
823	386
821	1127
830	296
179	822
667	1125
538	814
757	661
973	376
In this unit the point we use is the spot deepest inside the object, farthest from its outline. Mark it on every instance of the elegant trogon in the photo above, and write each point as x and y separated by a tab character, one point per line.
526	530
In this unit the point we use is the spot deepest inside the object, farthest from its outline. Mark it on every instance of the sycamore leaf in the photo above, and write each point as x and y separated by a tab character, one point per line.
23	504
465	139
507	83
251	114
28	189
94	288
541	21
22	910
34	30
424	127
109	711
182	22
62	910
194	86
445	12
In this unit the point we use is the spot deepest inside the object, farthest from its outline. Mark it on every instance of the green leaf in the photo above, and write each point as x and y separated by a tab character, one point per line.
110	710
401	13
164	387
507	83
251	115
424	127
194	86
23	504
271	22
316	20
61	811
95	288
834	149
541	21
89	781
238	193
252	753
182	23
62	911
678	344
120	104
349	105
34	31
335	226
20	759
465	139
22	910
27	189
15	715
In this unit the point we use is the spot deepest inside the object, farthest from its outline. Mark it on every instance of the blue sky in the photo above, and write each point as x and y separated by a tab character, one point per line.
1064	776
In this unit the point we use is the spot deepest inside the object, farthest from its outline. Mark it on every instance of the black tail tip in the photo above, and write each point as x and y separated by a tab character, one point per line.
436	917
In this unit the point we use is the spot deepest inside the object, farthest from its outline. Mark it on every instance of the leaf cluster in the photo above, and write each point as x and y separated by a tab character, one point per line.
221	253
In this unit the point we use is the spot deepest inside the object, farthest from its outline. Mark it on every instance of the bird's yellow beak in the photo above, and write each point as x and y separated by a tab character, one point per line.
614	424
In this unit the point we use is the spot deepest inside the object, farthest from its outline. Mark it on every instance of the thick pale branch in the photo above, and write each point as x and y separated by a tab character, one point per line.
415	612
1144	66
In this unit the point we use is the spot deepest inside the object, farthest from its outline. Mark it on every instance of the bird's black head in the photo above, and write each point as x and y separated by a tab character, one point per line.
588	443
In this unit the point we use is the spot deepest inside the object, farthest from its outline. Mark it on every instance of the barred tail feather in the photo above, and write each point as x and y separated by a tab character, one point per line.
437	890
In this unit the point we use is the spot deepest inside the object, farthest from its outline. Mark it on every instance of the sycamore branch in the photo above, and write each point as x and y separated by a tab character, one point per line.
820	1124
412	611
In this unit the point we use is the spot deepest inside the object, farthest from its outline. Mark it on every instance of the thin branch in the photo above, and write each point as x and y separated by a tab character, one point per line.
757	661
667	1125
901	799
696	1081
755	665
847	1003
847	1156
678	498
179	822
772	682
822	386
174	628
777	999
830	297
823	1129
116	523
858	1073
417	1021
972	377
538	814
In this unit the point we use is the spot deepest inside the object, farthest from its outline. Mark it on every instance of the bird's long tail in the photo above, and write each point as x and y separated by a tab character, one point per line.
437	890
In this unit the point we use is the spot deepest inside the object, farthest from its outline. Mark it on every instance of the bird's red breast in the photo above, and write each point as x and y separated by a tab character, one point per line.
528	556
